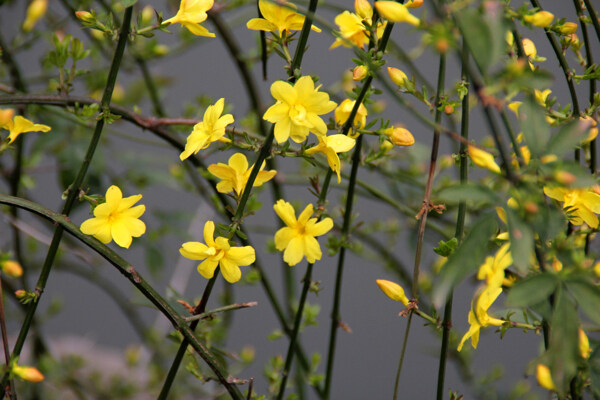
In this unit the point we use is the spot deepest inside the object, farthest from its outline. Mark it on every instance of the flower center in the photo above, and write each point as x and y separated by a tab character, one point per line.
298	114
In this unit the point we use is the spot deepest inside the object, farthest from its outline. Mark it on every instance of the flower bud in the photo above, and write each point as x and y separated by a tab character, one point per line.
565	178
84	16
147	15
567	28
393	291
590	124
359	73
386	146
400	136
572	40
29	374
161	49
483	159
12	268
532	208
449	109
398	77
363	9
544	377
414	3
19	294
396	12
584	344
529	48
541	19
35	11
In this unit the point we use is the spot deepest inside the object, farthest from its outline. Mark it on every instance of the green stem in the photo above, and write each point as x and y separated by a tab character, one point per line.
229	307
136	279
8	387
402	354
73	190
593	17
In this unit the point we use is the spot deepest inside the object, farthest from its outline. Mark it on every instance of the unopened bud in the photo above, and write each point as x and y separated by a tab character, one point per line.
29	374
541	19
590	124
400	136
531	207
84	16
529	48
363	9
12	268
393	291
398	77
544	377
147	15
567	28
19	294
359	73
442	45
161	49
35	11
386	146
449	109
565	178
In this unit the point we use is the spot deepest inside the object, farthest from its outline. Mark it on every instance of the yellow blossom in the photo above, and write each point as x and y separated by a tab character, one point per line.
342	113
478	316
278	15
492	270
393	291
211	129
593	129
116	219
541	19
11	268
218	252
30	374
398	77
483	159
235	174
582	205
297	238
190	14
400	136
396	12
35	11
297	110
542	96
330	146
19	125
352	26
568	28
514	107
584	345
544	377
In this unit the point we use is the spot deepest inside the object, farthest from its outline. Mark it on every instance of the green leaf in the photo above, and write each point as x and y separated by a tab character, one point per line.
484	34
594	363
128	3
467	192
534	126
521	241
568	137
563	350
466	259
588	297
445	249
532	290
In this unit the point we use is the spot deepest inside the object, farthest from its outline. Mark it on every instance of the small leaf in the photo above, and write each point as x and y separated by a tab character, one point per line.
563	350
534	126
466	259
587	296
532	290
128	3
445	249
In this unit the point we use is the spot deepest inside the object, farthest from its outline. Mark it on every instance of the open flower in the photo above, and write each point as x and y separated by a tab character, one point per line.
582	205
297	239
190	14
478	316
235	174
330	146
492	270
483	159
278	16
211	129
218	252
396	12
393	291
19	125
297	110
352	26
116	219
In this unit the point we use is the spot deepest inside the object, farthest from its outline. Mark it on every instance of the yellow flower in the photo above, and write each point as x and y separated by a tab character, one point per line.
297	239
330	146
35	11
190	14
483	159
398	77
514	107
19	125
492	270
393	291
541	97
218	252
234	175
582	205
591	125
544	377
116	219
211	129
352	27
29	374
400	136
541	19
396	12
478	316
278	15
11	268
342	112
297	110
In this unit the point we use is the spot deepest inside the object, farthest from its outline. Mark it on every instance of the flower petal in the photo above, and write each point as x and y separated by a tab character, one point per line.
283	237
207	268
230	270
286	212
294	252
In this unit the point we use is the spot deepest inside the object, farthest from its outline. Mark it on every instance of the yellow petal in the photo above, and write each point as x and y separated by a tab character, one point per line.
314	228
283	237
209	233
483	159
121	234
207	268
294	251
261	24
312	250
396	12
544	377
285	211
393	291
305	214
230	270
194	250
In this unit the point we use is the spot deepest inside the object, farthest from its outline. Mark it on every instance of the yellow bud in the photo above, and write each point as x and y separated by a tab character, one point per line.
590	124
557	265
567	28
572	40
386	146
12	268
161	49
565	178
398	77
501	214
448	109
544	377
532	208
596	269
510	39
512	203
359	73
363	9
396	12
35	11
19	294
584	344
29	374
442	45
147	15
414	3
529	48
483	159
393	291
6	116
84	16
548	158
400	136
541	19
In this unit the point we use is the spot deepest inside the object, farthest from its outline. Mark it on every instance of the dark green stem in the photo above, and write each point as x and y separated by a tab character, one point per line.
8	387
593	17
402	354
73	190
